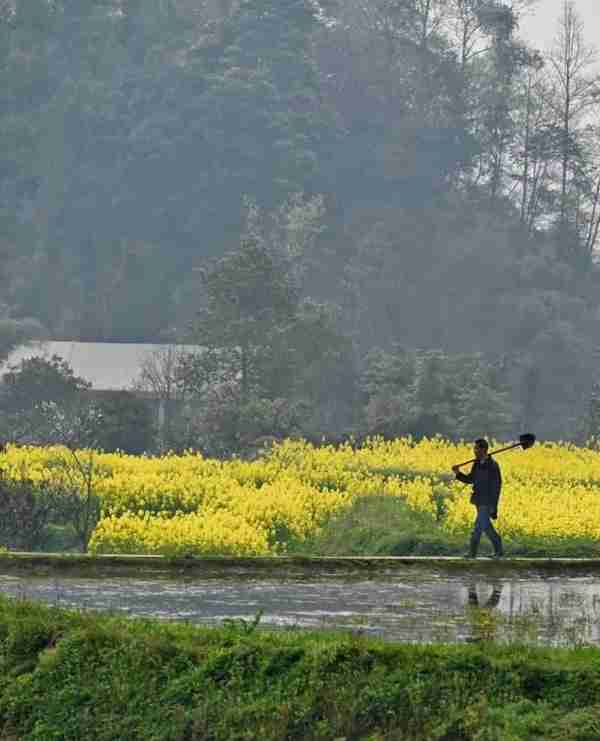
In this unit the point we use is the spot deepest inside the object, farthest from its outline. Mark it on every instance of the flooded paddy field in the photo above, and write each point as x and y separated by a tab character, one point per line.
431	602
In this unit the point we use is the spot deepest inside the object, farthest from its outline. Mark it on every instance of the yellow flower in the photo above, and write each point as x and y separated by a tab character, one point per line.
187	503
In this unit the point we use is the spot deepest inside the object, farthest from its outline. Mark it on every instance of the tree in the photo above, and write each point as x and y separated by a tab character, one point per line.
246	298
531	155
484	410
426	393
312	362
168	374
575	92
35	380
482	34
27	507
412	80
249	295
71	491
587	186
387	384
127	424
263	347
258	71
231	424
16	332
77	428
590	428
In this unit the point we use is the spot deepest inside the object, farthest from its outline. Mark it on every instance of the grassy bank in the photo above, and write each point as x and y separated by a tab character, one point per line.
82	676
388	526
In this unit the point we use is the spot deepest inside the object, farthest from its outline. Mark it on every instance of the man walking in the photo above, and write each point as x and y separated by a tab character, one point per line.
486	480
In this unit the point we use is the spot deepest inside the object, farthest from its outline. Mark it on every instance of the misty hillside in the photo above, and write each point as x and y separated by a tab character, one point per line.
399	198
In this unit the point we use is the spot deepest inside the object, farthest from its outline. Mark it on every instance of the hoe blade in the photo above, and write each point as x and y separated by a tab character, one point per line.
527	440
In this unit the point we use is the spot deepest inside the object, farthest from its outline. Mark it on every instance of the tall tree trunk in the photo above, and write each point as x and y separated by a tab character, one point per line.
525	179
244	379
575	93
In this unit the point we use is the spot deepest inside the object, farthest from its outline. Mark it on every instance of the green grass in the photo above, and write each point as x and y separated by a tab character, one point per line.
84	676
387	526
60	539
381	526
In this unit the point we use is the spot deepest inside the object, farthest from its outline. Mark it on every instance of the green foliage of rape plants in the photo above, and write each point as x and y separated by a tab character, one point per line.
74	675
381	526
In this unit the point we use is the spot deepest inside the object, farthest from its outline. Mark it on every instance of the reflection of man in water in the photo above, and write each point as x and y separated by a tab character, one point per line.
483	619
492	601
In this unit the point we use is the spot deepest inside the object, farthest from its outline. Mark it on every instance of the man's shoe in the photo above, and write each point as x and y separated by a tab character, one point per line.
498	555
473	548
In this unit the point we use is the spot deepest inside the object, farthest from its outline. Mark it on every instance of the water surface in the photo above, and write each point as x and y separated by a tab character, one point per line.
423	606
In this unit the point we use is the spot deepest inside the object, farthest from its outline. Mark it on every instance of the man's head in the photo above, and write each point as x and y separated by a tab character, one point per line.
480	448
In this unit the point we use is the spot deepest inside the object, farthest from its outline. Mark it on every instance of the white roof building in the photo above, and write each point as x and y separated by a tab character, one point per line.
108	366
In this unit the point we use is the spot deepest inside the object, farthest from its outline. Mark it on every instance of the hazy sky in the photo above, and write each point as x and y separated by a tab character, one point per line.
540	27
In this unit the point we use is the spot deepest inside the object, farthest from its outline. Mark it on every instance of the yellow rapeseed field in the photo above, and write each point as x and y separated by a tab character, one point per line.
190	504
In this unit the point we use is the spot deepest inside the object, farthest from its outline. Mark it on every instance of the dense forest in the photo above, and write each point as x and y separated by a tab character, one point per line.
379	216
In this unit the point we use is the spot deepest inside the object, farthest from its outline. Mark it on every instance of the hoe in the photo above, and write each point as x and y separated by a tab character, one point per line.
525	441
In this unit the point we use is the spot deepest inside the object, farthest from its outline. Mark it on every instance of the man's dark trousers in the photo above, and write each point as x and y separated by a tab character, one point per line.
483	524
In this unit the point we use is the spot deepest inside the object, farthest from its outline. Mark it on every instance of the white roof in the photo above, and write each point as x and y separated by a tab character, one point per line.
108	366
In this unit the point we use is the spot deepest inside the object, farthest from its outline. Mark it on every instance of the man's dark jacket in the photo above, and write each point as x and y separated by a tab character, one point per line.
487	482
